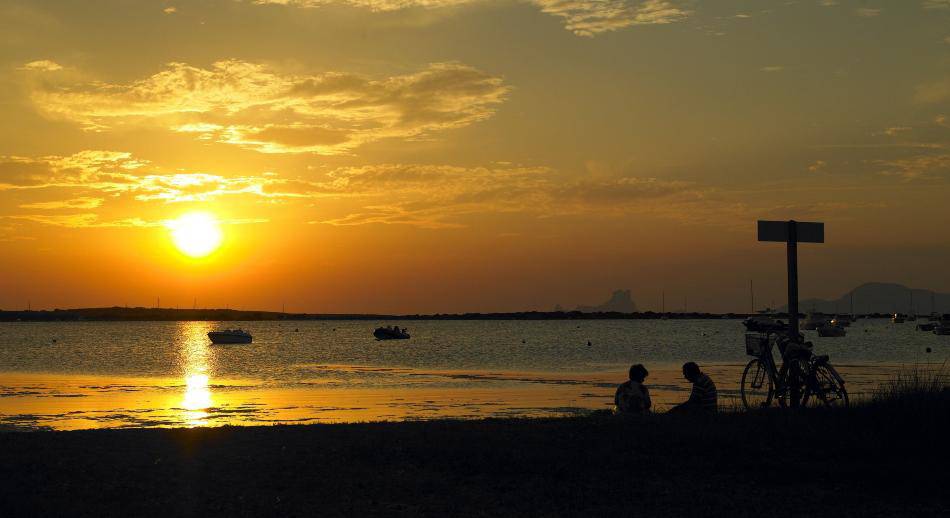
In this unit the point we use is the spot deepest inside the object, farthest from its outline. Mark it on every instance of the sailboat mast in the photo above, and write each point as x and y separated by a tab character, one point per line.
751	298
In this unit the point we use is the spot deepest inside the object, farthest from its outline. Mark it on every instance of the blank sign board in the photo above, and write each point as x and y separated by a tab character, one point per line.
805	232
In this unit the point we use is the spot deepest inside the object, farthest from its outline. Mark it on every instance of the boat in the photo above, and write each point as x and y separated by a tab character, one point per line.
926	326
764	324
897	318
230	336
943	326
814	321
391	333
830	330
841	320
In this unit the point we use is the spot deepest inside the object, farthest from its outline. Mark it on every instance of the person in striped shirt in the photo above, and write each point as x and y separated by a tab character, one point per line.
703	397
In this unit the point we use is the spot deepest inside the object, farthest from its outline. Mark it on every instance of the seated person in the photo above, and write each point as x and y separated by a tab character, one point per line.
703	397
633	397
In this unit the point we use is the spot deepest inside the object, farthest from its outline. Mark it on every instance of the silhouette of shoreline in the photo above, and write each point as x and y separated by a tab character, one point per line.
171	314
120	314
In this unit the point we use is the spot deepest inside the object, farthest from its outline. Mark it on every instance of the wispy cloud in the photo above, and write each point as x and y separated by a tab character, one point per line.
582	17
918	167
439	196
84	220
75	203
867	12
933	92
937	4
254	106
43	65
119	173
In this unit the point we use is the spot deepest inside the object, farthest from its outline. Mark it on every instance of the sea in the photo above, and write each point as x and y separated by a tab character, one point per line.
78	375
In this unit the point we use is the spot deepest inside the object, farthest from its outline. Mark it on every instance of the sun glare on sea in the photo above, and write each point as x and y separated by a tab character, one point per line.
196	234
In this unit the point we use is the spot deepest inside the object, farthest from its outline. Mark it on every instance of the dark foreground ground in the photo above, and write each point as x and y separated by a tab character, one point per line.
880	460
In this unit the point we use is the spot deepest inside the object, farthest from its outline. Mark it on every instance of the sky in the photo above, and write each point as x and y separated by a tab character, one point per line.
425	156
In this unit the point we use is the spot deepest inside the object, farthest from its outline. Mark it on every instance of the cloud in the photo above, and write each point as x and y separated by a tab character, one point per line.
439	196
256	107
773	68
894	131
919	167
867	12
85	220
591	17
934	92
817	165
582	17
170	10
76	203
118	173
43	65
937	4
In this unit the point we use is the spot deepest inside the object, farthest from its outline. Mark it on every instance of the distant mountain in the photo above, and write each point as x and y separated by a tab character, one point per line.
619	302
878	297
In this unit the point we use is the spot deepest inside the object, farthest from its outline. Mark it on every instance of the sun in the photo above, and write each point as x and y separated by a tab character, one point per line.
196	234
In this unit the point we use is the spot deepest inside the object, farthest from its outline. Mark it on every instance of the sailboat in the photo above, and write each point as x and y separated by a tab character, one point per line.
912	314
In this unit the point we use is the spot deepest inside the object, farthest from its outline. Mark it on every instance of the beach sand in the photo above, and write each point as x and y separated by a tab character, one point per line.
879	460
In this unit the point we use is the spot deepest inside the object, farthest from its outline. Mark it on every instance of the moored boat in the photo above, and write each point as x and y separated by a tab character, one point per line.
814	321
391	333
841	320
230	336
943	326
830	330
897	318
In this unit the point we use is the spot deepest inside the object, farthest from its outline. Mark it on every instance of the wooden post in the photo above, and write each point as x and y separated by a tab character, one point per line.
792	246
791	233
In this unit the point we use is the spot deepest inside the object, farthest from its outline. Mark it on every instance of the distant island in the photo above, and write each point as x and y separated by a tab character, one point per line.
619	302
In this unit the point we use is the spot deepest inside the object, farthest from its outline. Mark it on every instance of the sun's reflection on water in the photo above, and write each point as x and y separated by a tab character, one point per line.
195	357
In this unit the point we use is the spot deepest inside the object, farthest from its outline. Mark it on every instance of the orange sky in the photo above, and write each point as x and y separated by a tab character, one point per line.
467	155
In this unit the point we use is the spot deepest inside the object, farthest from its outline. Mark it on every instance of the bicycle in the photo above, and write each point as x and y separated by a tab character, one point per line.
804	380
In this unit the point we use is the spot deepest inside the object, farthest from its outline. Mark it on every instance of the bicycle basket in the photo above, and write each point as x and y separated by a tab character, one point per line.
756	344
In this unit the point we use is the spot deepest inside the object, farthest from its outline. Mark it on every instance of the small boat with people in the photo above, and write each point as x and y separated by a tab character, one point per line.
230	336
391	333
814	321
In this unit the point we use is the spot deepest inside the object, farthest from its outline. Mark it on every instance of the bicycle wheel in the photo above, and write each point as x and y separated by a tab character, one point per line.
824	389
756	387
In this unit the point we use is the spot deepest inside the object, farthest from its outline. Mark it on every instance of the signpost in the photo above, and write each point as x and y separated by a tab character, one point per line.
791	233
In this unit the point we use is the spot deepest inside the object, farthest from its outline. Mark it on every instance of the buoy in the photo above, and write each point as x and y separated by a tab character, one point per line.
522	341
588	343
928	349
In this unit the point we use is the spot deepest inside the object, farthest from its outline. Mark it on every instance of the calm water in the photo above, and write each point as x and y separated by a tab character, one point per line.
64	375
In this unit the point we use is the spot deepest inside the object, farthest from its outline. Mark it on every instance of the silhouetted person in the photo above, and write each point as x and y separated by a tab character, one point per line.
633	397
703	397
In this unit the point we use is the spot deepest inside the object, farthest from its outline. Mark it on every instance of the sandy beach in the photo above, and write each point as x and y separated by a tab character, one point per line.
873	460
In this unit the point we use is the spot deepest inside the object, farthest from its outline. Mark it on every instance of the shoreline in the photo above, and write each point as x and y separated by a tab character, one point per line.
142	314
65	401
